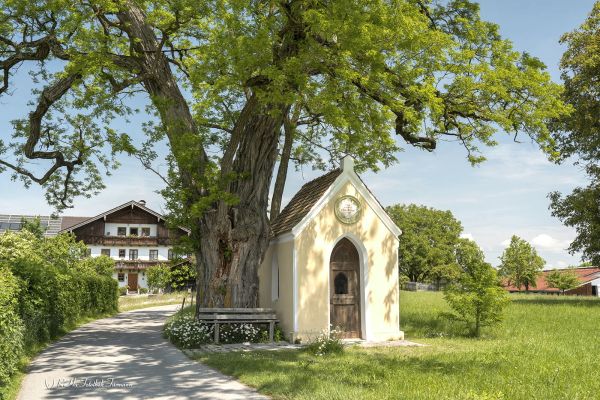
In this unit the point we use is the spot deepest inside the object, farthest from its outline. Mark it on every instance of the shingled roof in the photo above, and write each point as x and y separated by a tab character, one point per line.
302	202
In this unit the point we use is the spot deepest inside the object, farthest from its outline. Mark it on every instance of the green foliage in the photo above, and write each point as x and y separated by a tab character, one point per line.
427	244
123	290
578	134
101	265
520	263
34	226
477	298
11	326
354	75
562	279
57	287
143	290
181	274
158	276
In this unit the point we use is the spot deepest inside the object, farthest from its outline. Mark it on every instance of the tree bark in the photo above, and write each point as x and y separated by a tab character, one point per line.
289	126
234	238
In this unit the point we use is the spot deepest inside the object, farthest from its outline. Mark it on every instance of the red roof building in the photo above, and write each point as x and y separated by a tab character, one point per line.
589	280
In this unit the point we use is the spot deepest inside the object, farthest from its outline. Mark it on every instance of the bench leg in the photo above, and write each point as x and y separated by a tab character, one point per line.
271	330
216	333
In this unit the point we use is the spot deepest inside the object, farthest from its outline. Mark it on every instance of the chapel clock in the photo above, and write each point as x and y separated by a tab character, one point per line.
347	209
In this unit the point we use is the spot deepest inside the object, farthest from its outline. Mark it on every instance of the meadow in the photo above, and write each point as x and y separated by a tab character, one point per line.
548	347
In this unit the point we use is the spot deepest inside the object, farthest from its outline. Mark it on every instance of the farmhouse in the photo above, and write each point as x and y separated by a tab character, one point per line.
135	236
332	262
589	283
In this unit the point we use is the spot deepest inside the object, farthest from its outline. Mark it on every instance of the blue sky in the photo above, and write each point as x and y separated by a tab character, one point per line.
504	196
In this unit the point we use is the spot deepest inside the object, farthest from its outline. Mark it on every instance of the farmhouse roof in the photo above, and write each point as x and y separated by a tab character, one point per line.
584	275
303	202
77	222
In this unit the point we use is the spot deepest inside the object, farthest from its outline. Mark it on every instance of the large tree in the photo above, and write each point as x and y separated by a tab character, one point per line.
578	135
235	84
520	264
428	242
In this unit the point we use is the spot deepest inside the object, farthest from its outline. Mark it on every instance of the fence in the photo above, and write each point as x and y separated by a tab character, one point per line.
418	286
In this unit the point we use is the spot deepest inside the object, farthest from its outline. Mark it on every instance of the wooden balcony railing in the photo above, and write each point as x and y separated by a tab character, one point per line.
126	240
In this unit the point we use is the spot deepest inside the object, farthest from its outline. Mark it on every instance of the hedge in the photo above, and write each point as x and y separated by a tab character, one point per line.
46	288
11	326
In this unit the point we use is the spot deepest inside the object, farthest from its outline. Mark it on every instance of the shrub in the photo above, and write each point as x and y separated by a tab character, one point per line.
184	331
123	290
477	298
143	290
326	344
11	326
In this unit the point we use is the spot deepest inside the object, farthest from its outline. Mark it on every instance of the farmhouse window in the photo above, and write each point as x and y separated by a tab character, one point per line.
133	231
121	253
133	254
153	255
145	231
105	252
121	231
121	277
170	254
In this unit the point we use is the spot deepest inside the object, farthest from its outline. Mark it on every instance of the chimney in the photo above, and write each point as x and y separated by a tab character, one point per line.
142	202
348	164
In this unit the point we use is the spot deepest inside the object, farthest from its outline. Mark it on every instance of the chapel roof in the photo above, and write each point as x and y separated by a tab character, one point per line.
303	202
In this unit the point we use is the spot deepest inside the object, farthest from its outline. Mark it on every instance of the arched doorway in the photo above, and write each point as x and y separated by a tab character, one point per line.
344	289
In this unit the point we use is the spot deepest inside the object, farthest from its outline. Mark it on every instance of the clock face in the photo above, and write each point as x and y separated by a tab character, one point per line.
347	209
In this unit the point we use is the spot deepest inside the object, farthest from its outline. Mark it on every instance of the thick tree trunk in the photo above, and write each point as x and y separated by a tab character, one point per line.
234	238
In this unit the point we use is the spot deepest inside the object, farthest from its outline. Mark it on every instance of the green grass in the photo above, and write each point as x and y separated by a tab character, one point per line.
134	302
547	348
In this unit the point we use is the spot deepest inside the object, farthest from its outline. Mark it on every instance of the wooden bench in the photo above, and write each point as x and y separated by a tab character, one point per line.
218	316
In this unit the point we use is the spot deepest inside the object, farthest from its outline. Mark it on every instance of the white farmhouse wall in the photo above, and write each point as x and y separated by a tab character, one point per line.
143	252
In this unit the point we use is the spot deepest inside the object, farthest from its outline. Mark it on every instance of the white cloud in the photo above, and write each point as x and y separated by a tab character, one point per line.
548	242
467	236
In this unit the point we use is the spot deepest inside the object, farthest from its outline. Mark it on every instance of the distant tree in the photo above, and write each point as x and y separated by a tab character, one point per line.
428	241
477	298
445	272
34	226
181	275
562	279
578	135
520	264
158	276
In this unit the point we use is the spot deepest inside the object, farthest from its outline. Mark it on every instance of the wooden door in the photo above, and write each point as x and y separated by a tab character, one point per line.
132	281
344	290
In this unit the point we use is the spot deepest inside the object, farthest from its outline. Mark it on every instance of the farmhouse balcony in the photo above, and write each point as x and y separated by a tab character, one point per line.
126	240
134	264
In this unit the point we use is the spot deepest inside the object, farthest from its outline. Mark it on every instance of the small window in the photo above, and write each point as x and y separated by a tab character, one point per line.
153	255
133	231
340	283
105	252
121	231
145	231
121	253
88	252
121	277
133	254
170	254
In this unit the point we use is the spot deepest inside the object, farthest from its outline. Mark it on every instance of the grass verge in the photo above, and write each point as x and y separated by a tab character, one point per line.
134	302
547	348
